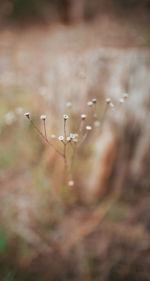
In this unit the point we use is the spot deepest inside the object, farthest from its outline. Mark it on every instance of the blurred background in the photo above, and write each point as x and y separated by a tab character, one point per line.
55	52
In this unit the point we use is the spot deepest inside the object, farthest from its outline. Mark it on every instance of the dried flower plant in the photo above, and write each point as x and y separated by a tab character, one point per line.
87	124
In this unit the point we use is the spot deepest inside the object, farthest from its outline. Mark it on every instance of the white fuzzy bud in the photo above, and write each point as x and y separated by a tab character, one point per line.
66	117
83	116
27	114
43	117
111	105
108	100
121	100
71	183
90	103
94	100
61	138
88	128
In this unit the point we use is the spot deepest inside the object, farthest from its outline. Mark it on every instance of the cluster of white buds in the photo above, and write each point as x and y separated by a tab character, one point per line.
83	116
88	128
27	114
66	117
43	117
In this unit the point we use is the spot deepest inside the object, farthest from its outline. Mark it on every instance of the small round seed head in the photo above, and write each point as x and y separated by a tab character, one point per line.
94	100
125	95
108	100
83	116
66	117
71	183
121	100
68	104
43	117
88	128
61	138
53	136
27	114
90	103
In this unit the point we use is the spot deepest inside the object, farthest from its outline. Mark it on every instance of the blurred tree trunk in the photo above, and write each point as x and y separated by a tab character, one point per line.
76	10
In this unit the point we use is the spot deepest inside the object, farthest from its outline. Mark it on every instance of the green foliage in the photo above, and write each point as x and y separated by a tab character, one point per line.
3	241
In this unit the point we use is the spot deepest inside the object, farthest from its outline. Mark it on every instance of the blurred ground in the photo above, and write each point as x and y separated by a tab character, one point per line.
100	229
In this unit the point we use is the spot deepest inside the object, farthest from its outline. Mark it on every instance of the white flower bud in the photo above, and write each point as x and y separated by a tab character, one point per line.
27	114
71	183
68	139
61	138
83	116
43	117
88	128
121	100
66	117
111	105
108	100
94	100
90	103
